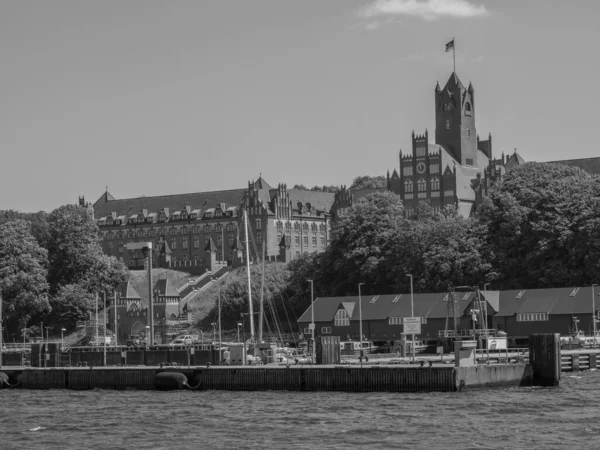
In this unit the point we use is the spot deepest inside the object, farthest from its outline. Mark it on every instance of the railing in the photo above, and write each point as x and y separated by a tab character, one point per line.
502	356
491	332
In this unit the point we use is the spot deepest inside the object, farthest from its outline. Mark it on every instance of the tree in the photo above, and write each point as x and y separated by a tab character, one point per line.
23	272
367	181
362	243
75	253
543	226
72	303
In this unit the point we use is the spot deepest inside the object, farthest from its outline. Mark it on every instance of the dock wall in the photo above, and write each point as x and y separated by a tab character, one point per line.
494	375
342	379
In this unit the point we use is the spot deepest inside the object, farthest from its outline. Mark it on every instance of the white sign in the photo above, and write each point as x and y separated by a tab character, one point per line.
412	325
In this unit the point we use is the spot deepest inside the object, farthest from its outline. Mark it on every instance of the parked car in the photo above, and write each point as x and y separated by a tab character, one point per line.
134	340
186	339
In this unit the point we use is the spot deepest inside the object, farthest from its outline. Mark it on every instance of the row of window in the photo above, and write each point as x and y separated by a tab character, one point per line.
304	239
532	317
422	185
174	231
173	243
305	227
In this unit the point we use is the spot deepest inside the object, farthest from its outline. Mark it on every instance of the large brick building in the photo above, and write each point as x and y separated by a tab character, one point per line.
202	231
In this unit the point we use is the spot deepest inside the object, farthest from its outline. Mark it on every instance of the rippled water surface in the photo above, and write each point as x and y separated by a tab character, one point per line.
531	418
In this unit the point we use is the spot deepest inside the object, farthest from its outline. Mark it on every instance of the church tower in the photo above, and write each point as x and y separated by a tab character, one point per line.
455	120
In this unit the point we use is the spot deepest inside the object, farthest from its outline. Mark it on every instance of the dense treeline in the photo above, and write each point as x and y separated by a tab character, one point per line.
538	228
51	266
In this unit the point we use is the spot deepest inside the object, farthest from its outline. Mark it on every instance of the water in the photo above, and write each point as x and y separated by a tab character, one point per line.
518	418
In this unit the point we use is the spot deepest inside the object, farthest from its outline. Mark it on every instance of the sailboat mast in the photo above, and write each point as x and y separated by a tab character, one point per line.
262	296
248	269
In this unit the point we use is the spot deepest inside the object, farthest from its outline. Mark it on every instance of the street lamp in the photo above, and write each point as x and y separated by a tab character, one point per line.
594	312
487	335
62	337
312	319
360	318
47	335
412	312
147	333
238	331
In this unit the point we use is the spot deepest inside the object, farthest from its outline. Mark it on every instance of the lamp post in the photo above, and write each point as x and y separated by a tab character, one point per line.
147	333
0	330
312	320
47	334
412	313
487	336
238	331
104	350
62	336
24	331
360	319
219	305
594	312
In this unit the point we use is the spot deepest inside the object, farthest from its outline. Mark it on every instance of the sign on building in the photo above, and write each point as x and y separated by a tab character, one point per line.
412	325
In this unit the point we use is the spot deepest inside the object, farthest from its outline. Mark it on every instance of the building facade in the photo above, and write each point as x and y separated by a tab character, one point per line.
184	228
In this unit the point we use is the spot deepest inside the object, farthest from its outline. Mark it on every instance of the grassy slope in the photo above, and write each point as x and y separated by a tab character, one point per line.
139	279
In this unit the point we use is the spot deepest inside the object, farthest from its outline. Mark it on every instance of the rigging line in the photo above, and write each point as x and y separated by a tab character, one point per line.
288	318
276	321
273	318
290	302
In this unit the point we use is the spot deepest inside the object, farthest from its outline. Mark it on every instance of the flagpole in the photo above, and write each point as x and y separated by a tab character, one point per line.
454	53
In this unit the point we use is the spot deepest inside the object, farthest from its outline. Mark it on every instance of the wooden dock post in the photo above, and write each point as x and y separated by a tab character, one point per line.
545	359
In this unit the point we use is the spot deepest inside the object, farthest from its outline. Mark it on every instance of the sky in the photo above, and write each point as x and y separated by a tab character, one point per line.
148	97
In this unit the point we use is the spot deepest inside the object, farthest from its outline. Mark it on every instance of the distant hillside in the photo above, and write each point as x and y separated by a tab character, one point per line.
139	279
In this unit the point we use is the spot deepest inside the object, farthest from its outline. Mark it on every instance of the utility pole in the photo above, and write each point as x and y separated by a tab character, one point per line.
104	356
0	330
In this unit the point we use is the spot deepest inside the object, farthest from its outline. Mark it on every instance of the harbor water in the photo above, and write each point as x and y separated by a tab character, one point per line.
516	418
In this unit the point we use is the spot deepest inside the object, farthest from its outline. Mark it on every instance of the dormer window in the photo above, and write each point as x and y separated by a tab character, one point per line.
161	217
183	215
140	219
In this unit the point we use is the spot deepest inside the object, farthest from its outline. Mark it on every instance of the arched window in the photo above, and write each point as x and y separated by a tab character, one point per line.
447	124
435	184
468	108
408	186
422	185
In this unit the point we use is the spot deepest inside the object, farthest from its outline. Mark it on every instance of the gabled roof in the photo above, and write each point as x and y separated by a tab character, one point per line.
576	301
262	184
514	160
164	288
349	307
318	200
210	246
176	202
453	81
126	290
325	309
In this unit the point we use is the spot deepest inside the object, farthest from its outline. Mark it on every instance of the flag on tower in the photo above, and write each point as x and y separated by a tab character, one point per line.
450	45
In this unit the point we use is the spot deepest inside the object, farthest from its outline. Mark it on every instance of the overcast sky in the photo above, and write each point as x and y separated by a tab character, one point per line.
153	97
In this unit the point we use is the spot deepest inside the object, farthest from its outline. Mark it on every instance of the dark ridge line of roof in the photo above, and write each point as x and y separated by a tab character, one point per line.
173	195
